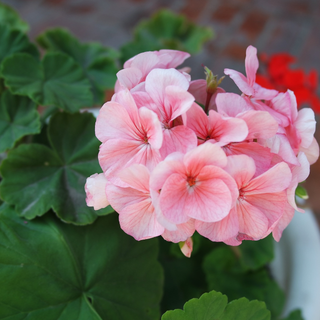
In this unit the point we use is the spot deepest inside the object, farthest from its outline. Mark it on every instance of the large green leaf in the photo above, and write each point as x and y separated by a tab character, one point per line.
255	254
37	178
56	80
166	30
51	270
225	273
97	61
18	117
294	315
14	41
11	19
214	306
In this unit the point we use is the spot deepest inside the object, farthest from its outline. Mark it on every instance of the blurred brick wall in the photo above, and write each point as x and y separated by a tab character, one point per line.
271	26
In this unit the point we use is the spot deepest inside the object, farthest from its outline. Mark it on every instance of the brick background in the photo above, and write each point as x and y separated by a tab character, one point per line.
271	26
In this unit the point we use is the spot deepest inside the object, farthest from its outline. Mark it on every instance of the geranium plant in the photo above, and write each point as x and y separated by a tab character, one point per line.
98	215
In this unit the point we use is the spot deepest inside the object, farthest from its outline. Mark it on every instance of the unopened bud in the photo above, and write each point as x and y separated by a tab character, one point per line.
212	81
186	247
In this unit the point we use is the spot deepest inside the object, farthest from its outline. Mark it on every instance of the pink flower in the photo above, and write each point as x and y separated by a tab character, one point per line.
215	128
260	123
138	67
299	174
193	185
129	135
169	98
137	214
259	206
95	188
248	84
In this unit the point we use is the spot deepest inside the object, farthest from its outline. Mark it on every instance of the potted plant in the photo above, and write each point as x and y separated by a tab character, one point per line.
98	215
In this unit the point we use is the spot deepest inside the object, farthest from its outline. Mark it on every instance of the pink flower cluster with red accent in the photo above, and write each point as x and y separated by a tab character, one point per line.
170	168
279	75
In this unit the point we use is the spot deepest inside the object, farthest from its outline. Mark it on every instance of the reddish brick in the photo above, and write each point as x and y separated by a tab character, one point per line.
82	9
254	23
55	2
226	12
193	9
300	7
235	50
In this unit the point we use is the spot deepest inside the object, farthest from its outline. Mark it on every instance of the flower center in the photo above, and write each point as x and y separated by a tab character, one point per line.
191	181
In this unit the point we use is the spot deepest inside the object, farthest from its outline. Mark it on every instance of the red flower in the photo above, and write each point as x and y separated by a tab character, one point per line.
278	75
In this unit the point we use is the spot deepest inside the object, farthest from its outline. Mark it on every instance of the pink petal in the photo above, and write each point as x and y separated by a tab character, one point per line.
212	103
198	121
226	130
231	104
260	123
175	57
151	127
198	88
252	65
120	197
158	79
183	232
242	168
241	81
203	155
286	218
299	174
173	199
178	139
145	62
279	144
136	176
271	205
210	199
95	188
252	221
114	121
276	179
279	117
225	177
263	94
306	125
124	97
282	104
177	101
140	221
129	78
221	230
262	156
312	152
116	154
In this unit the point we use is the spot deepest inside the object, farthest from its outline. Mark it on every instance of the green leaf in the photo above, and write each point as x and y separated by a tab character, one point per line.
301	192
10	18
14	41
37	178
256	254
57	80
51	270
97	61
18	117
166	30
294	315
213	306
226	273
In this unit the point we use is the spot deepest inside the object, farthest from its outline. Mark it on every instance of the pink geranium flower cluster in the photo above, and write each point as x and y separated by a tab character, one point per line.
180	156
